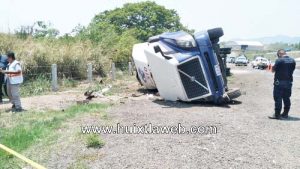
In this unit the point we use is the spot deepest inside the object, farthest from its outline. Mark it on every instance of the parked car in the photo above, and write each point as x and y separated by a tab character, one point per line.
230	59
260	63
241	61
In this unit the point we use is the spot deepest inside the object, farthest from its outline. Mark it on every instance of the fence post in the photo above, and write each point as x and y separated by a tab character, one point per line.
90	72
54	77
130	68
113	71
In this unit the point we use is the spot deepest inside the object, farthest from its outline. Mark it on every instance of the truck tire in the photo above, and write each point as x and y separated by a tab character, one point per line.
215	34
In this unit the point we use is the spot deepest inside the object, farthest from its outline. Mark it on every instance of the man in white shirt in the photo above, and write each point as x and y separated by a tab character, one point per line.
14	78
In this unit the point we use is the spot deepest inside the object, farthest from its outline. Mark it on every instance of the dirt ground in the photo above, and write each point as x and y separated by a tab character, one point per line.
246	138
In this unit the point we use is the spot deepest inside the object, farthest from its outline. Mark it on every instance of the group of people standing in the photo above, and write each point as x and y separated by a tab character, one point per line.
10	79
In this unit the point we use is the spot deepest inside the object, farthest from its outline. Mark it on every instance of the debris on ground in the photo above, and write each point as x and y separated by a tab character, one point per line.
90	94
137	94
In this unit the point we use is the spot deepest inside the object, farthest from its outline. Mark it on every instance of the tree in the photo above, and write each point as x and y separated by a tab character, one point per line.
147	18
123	47
24	31
117	30
297	45
39	29
42	29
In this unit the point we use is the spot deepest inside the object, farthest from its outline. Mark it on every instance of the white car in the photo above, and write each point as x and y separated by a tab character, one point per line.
230	59
260	63
241	61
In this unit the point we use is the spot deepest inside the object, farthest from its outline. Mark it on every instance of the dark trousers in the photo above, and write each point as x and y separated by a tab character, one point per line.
282	93
1	84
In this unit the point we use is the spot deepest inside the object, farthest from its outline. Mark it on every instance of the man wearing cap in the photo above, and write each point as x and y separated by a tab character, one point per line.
283	80
14	78
3	65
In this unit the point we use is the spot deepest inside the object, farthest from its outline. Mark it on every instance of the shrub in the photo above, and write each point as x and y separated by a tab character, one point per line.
94	141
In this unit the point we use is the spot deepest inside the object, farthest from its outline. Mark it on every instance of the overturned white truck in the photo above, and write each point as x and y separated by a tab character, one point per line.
185	67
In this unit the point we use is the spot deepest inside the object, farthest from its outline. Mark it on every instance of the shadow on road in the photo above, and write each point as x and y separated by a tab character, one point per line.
180	104
291	118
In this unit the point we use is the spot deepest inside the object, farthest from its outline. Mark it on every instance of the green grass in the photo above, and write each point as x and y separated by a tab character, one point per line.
42	85
38	86
94	141
31	127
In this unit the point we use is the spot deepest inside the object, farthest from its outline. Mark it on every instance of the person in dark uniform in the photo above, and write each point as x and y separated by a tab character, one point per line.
3	65
283	80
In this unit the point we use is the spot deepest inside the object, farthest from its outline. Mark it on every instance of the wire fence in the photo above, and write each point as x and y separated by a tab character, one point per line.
57	74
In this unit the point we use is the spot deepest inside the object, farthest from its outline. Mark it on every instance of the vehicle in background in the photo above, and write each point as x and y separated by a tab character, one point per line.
230	59
260	63
241	61
297	63
288	49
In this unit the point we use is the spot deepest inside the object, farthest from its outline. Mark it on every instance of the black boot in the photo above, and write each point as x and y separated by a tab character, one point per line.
276	115
285	113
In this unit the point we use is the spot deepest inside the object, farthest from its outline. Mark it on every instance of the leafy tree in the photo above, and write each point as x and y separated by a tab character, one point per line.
42	29
147	18
24	31
297	46
39	29
78	29
123	48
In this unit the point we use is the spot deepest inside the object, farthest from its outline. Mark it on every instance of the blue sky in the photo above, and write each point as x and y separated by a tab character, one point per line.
239	18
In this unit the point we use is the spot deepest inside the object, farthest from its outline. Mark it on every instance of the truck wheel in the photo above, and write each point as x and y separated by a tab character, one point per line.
215	34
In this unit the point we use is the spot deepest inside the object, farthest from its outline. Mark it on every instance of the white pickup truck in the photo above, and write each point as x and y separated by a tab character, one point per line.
260	63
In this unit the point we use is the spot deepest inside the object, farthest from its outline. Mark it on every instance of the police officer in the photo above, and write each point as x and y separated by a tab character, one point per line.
283	68
3	65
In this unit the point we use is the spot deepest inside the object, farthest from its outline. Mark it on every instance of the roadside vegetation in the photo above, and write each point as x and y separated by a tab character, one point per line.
21	131
94	141
108	38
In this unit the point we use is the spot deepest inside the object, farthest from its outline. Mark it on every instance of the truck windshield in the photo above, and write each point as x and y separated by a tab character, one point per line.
180	39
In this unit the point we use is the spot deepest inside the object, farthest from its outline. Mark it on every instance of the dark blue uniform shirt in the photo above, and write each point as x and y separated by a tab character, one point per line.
284	68
3	62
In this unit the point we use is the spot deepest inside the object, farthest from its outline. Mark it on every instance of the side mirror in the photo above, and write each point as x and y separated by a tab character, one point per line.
157	49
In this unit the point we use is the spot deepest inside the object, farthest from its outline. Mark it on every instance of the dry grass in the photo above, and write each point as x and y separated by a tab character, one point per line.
71	55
